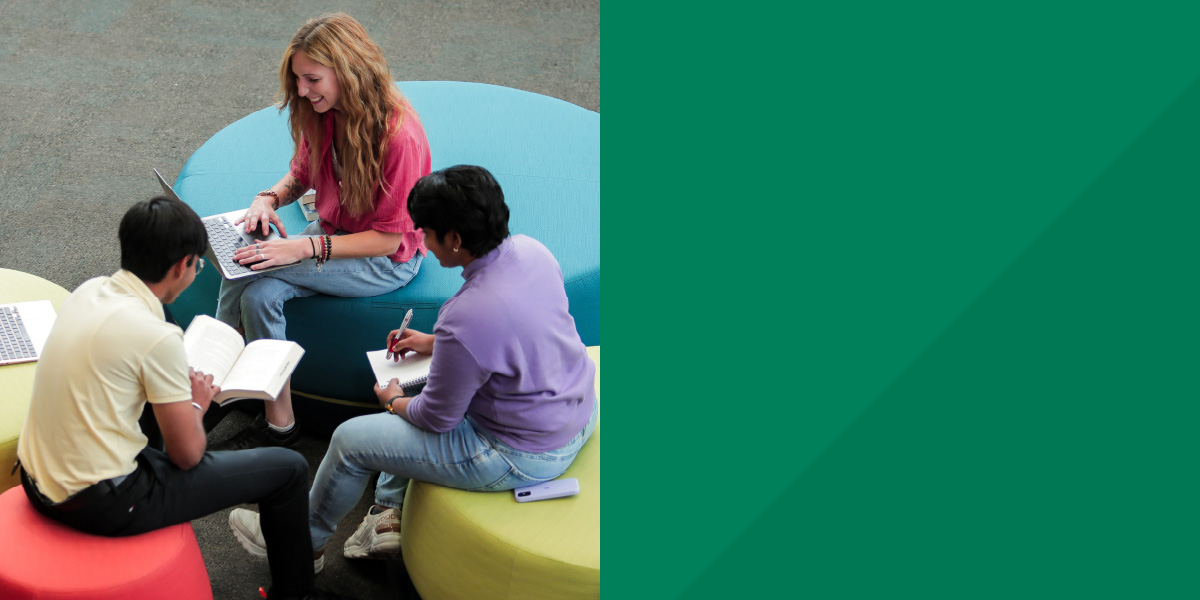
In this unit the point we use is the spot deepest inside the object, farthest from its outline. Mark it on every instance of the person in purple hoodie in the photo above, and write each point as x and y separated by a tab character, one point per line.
510	398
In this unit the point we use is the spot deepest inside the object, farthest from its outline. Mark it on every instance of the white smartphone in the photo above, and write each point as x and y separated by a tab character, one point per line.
558	488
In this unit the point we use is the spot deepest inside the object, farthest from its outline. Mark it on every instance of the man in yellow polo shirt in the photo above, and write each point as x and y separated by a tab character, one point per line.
85	461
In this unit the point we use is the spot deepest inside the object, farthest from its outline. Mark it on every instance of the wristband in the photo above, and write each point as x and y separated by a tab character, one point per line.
198	407
389	403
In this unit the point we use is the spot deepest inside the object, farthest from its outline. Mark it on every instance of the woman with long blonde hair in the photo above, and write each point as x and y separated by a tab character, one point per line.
362	147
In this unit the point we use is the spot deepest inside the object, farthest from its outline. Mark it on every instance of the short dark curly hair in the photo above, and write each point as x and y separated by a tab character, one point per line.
462	198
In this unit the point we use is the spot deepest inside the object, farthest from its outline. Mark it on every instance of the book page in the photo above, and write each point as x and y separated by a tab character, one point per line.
264	366
212	347
411	370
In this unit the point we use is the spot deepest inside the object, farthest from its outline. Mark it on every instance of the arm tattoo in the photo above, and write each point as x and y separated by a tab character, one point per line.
292	191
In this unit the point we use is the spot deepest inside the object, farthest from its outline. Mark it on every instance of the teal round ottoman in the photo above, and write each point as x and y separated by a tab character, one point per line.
544	152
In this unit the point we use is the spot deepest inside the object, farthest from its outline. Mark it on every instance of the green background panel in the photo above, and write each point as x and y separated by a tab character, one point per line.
902	303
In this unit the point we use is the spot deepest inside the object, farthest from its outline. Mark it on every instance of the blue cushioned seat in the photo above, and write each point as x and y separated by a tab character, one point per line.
544	152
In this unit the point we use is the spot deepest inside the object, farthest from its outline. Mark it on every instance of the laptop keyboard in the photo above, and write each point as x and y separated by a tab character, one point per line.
225	239
14	340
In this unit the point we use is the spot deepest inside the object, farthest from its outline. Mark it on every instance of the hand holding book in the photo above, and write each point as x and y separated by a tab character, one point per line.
259	369
203	390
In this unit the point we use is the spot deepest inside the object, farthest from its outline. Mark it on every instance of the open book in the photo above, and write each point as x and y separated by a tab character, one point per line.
411	370
255	370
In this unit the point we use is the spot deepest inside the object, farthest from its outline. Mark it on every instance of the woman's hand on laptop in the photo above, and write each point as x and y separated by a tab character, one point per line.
260	215
261	255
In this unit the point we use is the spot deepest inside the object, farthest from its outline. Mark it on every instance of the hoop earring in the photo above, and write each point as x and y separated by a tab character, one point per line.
456	249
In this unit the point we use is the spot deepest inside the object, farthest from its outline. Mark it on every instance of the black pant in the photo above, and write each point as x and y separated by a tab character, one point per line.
159	494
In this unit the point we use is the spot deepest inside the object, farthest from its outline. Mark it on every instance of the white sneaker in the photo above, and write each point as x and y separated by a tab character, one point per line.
378	536
248	532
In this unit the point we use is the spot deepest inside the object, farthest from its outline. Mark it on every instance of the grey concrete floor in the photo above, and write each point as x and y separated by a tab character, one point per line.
95	93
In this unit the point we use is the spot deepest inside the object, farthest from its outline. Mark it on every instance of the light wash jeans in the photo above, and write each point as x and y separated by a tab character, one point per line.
466	457
257	302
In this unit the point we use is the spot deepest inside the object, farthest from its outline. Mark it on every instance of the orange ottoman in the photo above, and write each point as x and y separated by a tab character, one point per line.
43	559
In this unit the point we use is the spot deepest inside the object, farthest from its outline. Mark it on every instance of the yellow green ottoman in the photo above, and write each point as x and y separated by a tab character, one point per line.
16	381
482	545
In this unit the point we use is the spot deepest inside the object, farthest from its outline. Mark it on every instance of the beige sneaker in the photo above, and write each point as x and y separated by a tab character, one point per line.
378	536
248	531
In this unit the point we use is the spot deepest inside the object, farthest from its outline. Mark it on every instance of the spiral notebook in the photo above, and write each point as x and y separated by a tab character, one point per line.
411	370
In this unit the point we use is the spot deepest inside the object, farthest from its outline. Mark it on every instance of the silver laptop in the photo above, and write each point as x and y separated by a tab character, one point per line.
224	238
24	327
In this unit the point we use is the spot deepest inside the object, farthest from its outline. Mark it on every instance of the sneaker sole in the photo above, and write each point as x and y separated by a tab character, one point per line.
247	543
260	553
383	549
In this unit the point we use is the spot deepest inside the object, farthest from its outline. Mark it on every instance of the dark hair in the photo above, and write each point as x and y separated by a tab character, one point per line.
156	233
462	198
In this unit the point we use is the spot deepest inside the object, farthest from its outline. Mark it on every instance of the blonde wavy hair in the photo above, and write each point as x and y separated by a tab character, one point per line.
369	100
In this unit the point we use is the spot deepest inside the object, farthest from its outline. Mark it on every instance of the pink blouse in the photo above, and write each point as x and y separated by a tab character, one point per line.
406	160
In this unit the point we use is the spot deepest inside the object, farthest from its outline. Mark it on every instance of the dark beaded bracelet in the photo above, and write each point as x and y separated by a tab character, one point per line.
326	251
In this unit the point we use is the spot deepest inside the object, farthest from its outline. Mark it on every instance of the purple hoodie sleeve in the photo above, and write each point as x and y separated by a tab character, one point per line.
454	379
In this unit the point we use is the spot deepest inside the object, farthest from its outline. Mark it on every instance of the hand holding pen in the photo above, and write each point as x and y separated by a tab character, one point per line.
403	340
397	334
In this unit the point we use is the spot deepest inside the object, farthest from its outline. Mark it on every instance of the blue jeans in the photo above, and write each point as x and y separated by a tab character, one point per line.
257	302
466	457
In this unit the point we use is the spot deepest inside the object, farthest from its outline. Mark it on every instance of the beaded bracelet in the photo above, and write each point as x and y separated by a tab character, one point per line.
326	251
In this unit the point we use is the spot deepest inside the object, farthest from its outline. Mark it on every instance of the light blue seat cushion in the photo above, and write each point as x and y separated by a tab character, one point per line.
544	152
